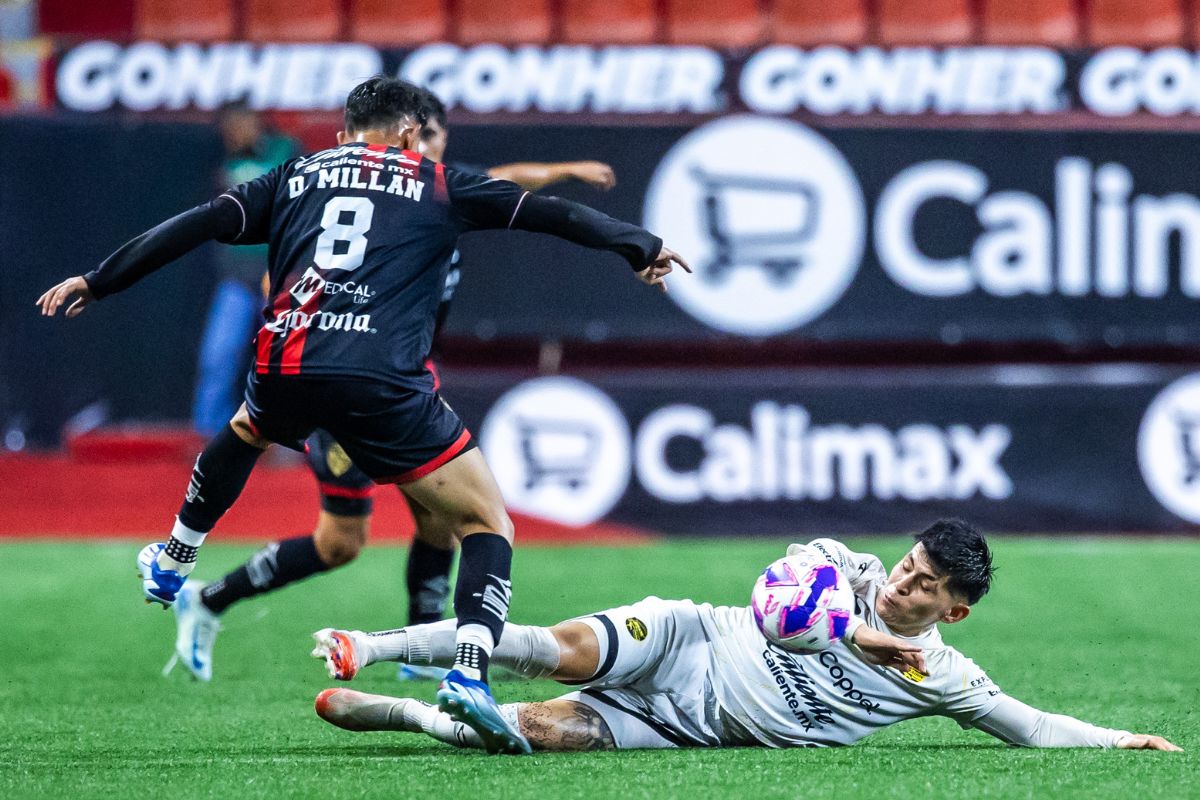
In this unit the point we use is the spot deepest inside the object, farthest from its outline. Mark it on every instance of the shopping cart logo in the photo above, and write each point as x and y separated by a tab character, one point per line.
1169	447
772	215
560	449
779	253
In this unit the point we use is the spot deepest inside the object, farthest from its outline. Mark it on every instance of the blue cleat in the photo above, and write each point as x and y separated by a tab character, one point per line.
470	702
158	585
421	672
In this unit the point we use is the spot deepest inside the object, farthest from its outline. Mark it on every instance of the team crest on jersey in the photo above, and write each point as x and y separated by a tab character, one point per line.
913	674
337	460
636	628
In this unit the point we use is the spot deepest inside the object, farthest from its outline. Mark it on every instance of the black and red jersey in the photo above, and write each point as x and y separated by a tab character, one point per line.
359	241
360	238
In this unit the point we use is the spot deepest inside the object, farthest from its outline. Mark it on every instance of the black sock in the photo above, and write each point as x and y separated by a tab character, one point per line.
218	478
276	565
483	591
428	578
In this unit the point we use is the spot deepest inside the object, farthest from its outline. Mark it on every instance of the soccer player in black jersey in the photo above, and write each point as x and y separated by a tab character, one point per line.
352	362
346	491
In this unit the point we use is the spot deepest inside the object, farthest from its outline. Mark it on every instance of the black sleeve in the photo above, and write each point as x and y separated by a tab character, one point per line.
482	202
586	226
219	219
256	199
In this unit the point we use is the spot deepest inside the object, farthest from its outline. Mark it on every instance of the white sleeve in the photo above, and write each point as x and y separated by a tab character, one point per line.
861	569
1014	722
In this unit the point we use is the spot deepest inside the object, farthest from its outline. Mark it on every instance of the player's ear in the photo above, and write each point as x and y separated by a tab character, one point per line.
956	613
410	138
343	137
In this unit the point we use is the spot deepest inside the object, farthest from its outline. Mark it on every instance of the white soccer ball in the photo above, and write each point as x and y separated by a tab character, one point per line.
802	603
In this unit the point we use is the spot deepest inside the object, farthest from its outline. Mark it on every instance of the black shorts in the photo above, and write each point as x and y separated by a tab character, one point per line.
345	489
392	434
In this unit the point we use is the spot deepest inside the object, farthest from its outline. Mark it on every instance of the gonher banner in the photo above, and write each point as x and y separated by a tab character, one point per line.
807	452
568	80
857	235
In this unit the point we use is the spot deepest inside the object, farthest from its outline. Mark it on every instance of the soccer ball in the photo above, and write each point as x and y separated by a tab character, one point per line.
802	603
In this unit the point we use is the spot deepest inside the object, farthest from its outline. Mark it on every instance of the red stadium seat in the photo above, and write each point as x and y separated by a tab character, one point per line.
184	20
809	22
387	22
729	23
609	21
1141	23
1048	22
511	22
293	20
925	21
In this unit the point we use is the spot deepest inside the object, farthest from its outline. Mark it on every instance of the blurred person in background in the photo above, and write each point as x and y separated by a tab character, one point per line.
233	315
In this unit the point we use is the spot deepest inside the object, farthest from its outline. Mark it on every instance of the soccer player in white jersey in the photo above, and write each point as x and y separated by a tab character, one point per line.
663	673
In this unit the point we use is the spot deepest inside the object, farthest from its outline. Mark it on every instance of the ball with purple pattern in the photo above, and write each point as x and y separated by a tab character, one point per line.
802	602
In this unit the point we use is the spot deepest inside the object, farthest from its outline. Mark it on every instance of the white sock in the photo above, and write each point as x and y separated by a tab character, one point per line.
406	645
527	650
186	536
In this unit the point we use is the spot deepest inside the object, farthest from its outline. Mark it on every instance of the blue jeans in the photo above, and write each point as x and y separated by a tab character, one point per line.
223	351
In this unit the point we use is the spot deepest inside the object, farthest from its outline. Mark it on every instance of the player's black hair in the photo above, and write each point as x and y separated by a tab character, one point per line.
435	108
381	102
959	551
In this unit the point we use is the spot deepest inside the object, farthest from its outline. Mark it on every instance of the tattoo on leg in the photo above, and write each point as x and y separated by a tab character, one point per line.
565	725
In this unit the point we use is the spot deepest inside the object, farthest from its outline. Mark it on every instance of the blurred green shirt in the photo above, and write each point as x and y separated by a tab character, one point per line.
247	263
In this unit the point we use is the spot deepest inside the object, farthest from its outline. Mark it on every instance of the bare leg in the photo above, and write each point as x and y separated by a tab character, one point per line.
554	725
462	497
564	725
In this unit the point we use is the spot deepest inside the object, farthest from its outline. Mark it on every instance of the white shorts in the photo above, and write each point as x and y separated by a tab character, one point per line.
653	687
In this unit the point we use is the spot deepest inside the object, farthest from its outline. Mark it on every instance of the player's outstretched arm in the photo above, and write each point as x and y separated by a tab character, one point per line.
1014	722
577	223
534	175
486	203
878	648
219	219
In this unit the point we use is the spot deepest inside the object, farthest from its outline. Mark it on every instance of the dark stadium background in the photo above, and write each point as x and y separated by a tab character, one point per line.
947	263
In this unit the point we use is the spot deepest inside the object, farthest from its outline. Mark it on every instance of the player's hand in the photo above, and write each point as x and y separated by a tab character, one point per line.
74	289
594	173
664	262
1144	741
888	651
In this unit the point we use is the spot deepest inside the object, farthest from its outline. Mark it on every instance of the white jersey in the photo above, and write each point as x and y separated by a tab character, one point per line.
769	696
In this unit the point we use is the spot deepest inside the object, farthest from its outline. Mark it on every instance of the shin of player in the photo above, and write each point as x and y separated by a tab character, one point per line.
462	495
218	477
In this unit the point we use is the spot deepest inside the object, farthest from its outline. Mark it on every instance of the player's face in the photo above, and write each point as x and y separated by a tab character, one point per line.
434	139
241	130
915	595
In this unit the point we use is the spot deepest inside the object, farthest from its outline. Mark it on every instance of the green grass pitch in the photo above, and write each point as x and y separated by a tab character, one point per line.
1098	628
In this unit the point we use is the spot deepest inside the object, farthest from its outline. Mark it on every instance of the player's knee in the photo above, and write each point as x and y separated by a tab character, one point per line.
340	539
245	429
578	651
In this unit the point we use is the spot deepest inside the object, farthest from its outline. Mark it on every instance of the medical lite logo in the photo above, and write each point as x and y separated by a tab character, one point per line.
559	448
1169	448
770	215
309	286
